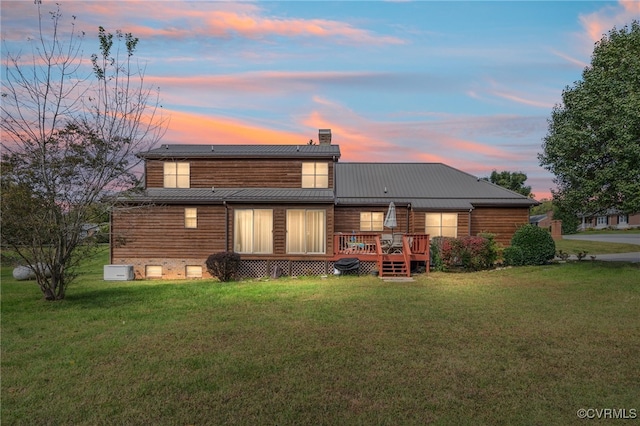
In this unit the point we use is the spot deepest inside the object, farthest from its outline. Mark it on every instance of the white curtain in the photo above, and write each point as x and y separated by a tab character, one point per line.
315	231
243	231
306	231
295	231
253	231
263	231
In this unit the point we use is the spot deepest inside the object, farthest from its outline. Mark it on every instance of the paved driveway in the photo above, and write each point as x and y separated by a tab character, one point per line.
611	238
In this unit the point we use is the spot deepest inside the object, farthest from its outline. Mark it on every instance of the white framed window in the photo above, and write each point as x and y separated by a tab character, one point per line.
371	221
623	219
153	271
193	271
315	175
253	231
191	217
602	221
306	231
441	224
177	174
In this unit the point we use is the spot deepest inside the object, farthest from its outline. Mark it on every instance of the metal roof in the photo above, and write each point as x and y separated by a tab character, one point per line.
424	185
237	195
242	151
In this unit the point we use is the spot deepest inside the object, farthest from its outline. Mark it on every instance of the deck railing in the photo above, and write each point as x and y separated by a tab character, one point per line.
385	250
355	243
372	244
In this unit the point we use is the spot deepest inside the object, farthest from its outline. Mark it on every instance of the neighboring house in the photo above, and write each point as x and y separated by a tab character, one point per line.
542	220
610	219
297	208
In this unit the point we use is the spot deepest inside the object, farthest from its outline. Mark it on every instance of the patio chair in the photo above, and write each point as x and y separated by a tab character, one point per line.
396	244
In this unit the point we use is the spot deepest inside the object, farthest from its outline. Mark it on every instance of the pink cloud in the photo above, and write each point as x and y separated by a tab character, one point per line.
260	81
497	89
179	20
598	23
575	61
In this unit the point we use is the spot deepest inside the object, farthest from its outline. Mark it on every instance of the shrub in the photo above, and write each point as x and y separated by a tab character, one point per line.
513	256
223	265
536	244
434	251
468	253
492	249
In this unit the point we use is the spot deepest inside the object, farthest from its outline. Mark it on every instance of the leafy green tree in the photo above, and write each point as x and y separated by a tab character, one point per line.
511	180
593	141
545	206
69	139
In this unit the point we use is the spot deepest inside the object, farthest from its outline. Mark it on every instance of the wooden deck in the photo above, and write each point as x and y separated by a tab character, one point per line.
393	256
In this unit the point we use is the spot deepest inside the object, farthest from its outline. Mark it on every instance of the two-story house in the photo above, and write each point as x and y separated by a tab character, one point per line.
298	208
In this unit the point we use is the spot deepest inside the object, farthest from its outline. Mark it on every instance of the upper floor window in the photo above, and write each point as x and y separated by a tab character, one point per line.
190	217
176	175
371	221
315	175
441	224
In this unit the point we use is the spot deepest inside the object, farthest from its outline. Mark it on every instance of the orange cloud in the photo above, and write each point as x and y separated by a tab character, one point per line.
189	128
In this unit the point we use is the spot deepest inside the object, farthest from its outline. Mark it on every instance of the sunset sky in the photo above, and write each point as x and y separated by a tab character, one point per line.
469	84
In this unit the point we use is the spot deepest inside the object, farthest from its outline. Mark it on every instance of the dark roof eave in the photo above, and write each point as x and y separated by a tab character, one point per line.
300	156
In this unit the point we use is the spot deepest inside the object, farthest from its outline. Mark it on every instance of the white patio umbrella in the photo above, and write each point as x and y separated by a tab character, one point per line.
390	219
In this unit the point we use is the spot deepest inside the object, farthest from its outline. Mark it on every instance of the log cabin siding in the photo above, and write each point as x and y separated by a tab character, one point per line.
347	219
501	221
159	231
237	173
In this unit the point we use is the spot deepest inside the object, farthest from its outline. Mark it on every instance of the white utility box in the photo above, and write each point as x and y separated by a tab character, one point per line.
118	273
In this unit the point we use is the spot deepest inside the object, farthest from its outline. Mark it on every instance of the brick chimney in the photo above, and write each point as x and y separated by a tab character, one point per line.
324	137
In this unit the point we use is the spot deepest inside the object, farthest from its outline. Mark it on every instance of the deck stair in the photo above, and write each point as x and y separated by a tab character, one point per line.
394	267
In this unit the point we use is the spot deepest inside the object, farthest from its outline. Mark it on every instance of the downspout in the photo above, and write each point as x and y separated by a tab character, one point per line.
226	225
408	209
470	210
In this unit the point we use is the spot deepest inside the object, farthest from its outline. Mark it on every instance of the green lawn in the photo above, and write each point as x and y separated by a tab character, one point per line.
595	247
528	345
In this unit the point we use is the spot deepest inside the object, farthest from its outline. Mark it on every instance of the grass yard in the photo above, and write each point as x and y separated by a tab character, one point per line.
594	247
529	345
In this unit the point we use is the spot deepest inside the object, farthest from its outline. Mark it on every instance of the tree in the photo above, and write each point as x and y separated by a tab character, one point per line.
511	180
70	135
593	141
569	220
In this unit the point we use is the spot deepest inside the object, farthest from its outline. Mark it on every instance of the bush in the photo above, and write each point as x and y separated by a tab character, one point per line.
434	251
467	253
224	265
513	256
536	244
